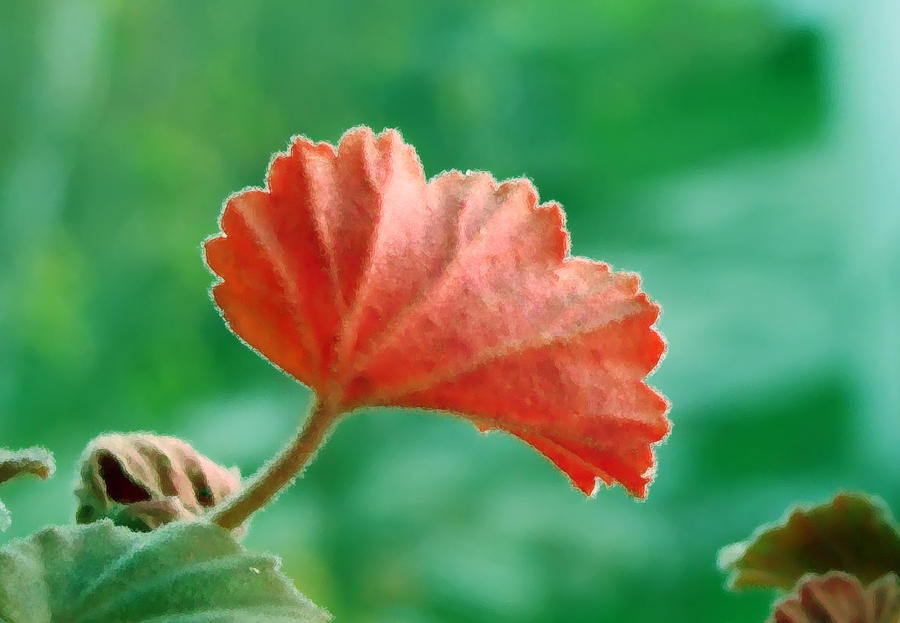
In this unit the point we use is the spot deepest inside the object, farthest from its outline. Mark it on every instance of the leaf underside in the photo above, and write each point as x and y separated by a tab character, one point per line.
183	572
854	533
375	287
838	597
36	461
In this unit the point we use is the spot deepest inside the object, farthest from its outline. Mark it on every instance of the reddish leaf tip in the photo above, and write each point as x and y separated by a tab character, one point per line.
358	277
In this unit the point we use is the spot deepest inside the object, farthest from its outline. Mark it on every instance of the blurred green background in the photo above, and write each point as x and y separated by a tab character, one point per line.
741	155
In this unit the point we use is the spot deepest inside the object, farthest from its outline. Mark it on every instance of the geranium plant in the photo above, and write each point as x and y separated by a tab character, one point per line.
373	286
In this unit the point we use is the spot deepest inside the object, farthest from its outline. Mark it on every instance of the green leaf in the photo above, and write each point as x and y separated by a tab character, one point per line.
838	597
181	573
854	533
37	461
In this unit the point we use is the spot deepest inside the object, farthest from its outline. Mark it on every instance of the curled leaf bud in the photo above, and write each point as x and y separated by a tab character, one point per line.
839	597
143	481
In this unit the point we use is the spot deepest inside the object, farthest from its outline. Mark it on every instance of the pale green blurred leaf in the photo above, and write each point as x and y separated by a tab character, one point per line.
184	572
853	533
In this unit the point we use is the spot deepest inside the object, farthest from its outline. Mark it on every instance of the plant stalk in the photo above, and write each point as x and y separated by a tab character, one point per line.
279	472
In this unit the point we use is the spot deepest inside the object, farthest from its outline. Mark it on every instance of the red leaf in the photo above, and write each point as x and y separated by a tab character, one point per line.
360	279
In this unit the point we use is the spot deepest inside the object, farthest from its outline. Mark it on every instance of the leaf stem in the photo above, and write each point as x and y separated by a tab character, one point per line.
280	471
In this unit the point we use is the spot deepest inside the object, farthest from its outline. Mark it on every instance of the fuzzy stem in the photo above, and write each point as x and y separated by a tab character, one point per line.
279	472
